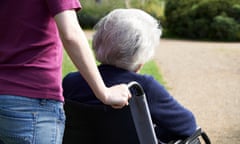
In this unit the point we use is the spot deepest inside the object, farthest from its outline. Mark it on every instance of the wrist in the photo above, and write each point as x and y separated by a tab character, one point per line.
103	96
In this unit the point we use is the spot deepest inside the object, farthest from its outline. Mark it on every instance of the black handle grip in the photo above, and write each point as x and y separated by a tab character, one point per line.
206	138
135	88
195	138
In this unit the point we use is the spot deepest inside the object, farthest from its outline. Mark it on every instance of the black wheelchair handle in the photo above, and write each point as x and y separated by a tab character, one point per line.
135	89
206	138
141	114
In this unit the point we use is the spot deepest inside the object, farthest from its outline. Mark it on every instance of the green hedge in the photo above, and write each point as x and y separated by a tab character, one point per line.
92	12
204	19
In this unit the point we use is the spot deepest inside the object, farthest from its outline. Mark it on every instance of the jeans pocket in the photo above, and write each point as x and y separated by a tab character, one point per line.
17	127
62	116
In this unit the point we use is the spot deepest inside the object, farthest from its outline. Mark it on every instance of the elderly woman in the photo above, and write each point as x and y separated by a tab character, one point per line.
124	41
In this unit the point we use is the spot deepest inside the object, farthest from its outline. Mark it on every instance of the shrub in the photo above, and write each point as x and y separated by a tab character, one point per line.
235	12
224	28
92	12
204	19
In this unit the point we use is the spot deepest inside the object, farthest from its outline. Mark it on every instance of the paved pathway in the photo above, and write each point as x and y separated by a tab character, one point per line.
205	77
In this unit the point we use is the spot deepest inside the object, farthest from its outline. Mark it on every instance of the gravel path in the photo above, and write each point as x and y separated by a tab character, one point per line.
205	77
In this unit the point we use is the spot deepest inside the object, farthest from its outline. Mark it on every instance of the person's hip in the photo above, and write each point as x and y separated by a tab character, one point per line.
25	120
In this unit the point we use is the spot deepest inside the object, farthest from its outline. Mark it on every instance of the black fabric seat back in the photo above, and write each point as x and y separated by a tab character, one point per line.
95	124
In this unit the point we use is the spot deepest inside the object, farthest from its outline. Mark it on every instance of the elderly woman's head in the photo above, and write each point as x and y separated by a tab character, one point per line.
126	38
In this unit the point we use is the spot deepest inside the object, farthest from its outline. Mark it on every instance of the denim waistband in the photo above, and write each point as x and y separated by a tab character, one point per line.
4	99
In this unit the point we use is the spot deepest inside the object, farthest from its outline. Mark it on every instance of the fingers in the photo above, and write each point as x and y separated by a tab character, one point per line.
120	106
117	106
120	97
127	95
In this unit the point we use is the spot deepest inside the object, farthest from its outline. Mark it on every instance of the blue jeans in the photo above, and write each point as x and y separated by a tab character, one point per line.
31	121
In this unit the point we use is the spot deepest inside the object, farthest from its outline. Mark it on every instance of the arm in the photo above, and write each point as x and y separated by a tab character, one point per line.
77	47
172	119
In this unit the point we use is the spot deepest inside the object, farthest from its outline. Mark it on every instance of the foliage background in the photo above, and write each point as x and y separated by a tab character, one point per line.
93	11
215	20
204	19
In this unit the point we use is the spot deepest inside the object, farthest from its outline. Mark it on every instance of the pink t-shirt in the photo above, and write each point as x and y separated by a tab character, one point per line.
30	48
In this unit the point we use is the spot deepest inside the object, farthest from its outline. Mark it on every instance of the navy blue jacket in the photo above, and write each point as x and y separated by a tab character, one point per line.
173	121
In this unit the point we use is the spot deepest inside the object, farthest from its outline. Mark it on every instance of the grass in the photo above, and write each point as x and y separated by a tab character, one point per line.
152	69
149	68
67	65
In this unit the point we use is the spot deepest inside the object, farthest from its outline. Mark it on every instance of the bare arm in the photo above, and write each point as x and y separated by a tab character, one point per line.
77	47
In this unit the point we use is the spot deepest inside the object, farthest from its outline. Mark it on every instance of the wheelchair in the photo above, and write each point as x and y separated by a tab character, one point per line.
101	124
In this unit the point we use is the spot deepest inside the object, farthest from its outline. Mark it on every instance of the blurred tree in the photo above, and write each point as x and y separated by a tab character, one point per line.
142	2
98	1
127	3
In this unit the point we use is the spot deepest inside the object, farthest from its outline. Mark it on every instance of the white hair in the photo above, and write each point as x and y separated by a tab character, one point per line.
126	38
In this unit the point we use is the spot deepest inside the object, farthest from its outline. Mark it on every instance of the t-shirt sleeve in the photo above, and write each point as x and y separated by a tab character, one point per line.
57	6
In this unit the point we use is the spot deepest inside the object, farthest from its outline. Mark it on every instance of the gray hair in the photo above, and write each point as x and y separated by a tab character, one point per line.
126	38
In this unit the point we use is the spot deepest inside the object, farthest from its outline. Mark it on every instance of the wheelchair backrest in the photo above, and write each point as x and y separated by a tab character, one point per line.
92	124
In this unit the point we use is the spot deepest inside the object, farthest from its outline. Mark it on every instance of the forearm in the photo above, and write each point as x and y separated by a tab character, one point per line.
84	61
168	114
77	47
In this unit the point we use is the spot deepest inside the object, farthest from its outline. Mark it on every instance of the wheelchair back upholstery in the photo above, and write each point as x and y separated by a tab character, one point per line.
92	124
